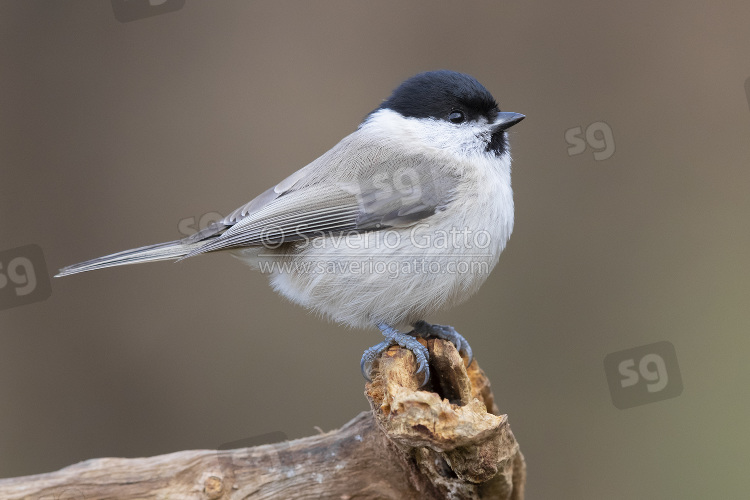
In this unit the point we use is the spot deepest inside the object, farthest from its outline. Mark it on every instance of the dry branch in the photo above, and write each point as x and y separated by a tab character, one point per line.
446	440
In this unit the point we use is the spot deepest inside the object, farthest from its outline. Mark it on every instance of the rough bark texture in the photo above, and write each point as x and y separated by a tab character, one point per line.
445	440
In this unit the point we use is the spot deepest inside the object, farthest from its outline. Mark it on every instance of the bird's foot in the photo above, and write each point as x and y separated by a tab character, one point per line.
405	340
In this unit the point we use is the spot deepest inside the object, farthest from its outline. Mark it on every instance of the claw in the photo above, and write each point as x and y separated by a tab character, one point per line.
459	345
426	369
423	366
365	374
369	356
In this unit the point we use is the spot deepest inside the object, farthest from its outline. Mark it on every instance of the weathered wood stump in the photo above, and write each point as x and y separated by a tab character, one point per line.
446	440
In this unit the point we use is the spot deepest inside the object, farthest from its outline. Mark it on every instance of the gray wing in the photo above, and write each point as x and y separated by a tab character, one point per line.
365	190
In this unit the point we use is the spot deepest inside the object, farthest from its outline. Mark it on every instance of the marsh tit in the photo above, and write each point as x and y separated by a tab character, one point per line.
404	217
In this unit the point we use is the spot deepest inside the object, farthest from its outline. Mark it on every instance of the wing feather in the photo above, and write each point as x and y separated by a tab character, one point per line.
353	187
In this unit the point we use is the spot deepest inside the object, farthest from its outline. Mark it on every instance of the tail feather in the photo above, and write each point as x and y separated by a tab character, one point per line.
151	253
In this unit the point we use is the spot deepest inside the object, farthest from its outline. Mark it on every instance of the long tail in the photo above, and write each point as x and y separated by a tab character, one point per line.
151	253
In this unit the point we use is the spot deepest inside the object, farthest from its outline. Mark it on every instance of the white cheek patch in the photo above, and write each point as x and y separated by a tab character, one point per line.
464	140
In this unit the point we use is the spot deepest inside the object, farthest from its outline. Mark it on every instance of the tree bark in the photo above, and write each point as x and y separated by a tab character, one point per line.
445	440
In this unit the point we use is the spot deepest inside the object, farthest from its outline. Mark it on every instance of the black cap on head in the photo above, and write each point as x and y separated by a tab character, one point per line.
436	94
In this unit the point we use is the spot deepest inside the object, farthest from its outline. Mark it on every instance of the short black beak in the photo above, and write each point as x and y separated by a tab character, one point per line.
506	119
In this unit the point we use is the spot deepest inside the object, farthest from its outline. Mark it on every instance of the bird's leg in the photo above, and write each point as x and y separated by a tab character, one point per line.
405	340
445	332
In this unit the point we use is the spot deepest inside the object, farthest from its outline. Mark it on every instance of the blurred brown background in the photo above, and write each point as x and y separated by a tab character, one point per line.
115	135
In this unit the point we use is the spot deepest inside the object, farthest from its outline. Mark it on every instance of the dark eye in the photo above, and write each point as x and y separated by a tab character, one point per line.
456	117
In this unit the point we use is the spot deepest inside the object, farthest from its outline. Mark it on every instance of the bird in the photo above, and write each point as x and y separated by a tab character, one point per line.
404	217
